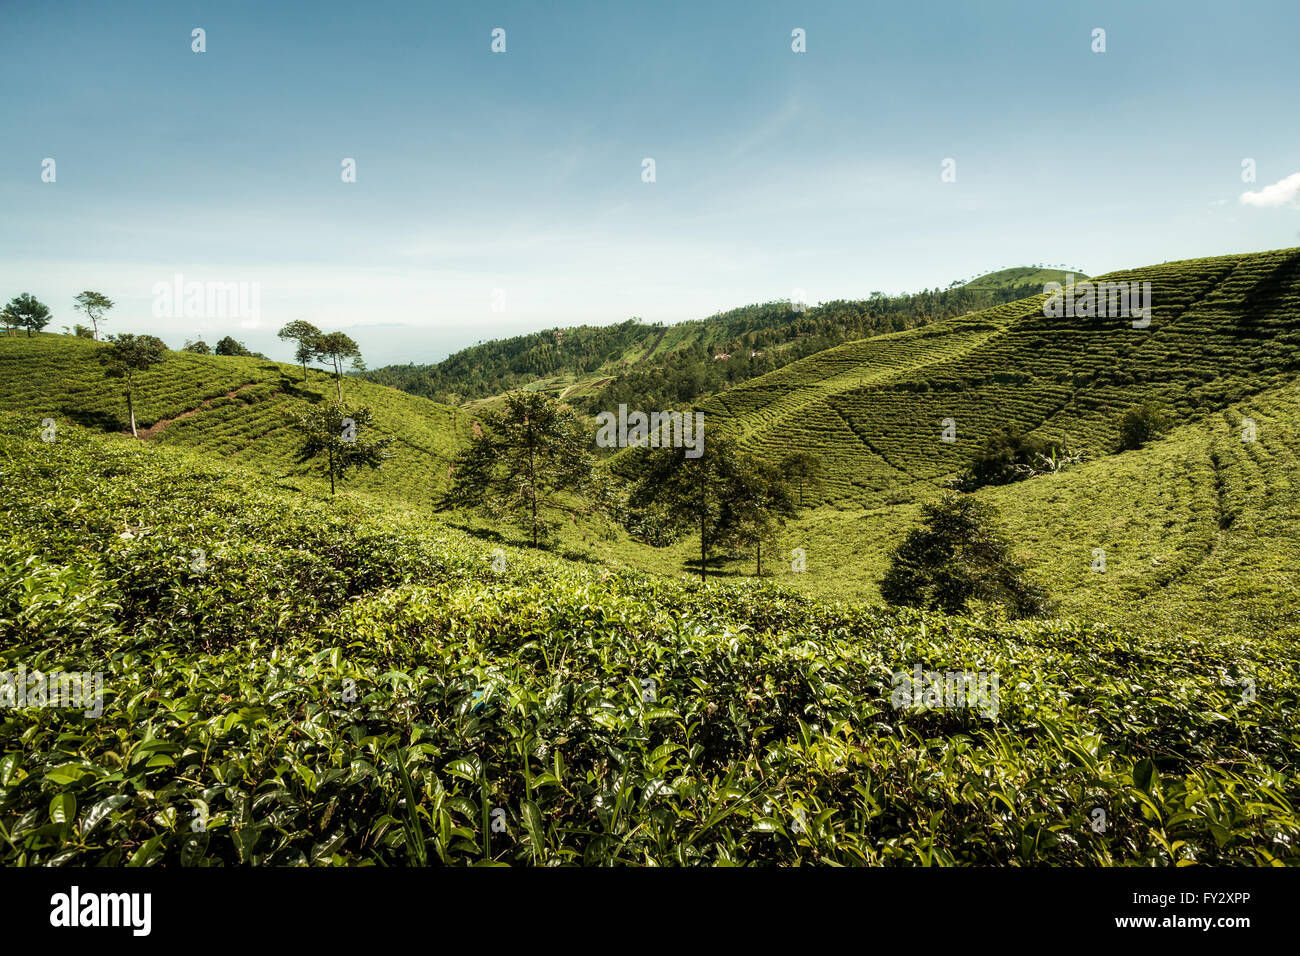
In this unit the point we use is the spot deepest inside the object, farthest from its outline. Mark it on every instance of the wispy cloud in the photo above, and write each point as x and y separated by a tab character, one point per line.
1284	192
773	126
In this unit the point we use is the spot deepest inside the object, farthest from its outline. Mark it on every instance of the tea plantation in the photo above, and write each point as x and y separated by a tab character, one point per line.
293	682
1220	330
290	678
237	409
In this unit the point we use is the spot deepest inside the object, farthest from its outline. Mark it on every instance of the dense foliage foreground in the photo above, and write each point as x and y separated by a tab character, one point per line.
286	682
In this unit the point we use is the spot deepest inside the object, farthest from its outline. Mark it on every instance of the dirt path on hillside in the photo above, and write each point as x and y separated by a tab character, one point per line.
156	427
649	353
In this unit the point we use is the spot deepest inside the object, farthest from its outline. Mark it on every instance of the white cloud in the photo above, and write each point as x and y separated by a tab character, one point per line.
1281	193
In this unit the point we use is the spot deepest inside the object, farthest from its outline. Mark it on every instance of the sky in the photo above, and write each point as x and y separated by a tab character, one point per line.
498	193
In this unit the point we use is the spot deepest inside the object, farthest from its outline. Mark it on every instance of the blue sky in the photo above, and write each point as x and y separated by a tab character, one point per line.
521	171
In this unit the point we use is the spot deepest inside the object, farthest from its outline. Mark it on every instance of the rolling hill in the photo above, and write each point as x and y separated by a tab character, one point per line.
1221	330
231	408
1027	280
1221	346
594	366
355	680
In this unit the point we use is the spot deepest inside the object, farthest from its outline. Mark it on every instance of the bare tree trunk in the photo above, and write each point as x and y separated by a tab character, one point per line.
338	379
130	410
703	546
532	484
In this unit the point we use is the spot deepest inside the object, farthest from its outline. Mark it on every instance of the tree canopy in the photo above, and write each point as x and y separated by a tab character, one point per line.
341	440
306	335
93	305
959	555
525	464
731	499
337	348
125	357
27	312
228	346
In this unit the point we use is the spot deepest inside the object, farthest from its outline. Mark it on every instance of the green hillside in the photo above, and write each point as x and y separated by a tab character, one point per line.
1198	529
234	409
1221	330
598	367
338	684
1025	279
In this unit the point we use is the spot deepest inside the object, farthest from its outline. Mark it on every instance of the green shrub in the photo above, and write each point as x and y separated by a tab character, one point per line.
957	557
1003	459
1141	424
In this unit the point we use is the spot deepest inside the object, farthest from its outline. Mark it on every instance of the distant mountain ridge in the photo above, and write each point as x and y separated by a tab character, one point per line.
642	363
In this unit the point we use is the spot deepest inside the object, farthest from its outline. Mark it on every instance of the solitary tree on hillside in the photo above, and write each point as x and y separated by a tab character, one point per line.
93	305
337	347
341	439
199	348
524	462
128	355
25	311
1140	424
711	492
959	555
804	470
305	334
755	508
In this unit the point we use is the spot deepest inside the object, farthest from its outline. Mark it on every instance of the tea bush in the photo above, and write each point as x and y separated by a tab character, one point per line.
337	684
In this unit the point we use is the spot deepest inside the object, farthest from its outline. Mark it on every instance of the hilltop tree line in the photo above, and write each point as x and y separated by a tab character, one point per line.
491	368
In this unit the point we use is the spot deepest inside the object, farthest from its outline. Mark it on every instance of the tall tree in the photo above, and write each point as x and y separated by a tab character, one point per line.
126	356
306	335
524	463
338	348
341	439
755	507
804	470
959	554
27	312
93	305
713	492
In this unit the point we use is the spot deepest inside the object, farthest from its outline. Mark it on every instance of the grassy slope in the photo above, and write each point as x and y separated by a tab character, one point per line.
1199	529
58	376
1222	329
771	736
1190	545
1021	276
